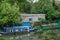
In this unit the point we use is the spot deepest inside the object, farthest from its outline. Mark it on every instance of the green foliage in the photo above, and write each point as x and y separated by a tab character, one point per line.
32	24
51	12
42	21
39	7
9	14
45	7
10	10
51	35
25	7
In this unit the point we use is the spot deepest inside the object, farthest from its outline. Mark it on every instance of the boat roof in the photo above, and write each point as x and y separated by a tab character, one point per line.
17	27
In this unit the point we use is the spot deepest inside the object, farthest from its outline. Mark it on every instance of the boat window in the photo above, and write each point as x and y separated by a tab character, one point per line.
30	19
16	30
11	30
30	27
39	18
24	28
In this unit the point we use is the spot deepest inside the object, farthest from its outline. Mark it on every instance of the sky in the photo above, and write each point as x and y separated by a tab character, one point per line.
33	1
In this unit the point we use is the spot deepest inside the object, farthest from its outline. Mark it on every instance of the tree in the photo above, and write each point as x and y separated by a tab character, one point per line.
45	7
25	6
9	14
51	12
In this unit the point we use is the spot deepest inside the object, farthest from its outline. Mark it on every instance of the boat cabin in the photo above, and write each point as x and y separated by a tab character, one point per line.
18	29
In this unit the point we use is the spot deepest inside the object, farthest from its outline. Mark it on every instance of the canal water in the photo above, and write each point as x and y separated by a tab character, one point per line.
27	36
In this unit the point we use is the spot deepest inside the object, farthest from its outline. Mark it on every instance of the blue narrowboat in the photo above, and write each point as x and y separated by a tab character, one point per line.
16	29
25	27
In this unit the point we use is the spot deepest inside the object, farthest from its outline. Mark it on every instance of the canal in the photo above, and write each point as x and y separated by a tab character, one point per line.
45	35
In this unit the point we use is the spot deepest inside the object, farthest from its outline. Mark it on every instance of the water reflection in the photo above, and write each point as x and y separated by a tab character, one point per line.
30	36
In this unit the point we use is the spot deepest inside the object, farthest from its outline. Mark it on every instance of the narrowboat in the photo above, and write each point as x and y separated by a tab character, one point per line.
16	29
